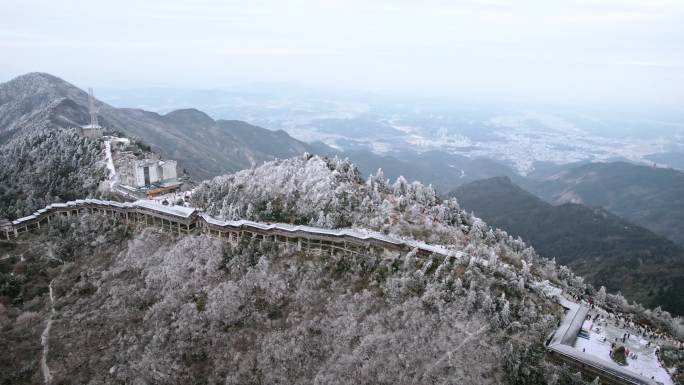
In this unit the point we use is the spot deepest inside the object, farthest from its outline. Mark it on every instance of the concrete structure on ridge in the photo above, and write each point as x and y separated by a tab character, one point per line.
92	130
148	177
147	172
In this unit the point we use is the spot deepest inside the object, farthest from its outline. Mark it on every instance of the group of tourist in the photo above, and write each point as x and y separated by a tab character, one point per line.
651	335
600	319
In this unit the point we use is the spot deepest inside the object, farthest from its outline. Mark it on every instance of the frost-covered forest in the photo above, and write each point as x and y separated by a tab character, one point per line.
143	307
331	193
43	159
150	308
44	165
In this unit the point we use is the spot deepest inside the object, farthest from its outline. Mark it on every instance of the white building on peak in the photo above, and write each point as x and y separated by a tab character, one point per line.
148	172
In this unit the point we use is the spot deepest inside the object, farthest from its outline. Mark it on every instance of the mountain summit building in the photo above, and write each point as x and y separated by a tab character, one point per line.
147	172
149	176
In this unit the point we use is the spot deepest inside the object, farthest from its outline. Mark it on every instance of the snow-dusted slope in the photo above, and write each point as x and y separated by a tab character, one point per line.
331	193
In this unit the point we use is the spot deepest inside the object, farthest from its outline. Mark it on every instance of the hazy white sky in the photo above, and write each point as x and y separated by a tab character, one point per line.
595	50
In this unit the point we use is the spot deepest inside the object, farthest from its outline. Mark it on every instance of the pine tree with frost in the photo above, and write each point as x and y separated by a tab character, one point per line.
408	259
487	303
458	286
426	266
601	296
505	314
525	269
493	258
268	211
471	299
444	265
321	221
250	213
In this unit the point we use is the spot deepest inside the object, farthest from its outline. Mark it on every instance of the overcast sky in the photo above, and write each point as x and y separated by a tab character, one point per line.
616	51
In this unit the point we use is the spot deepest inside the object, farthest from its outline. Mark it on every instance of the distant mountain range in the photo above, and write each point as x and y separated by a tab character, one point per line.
600	246
648	196
206	147
203	146
442	170
521	135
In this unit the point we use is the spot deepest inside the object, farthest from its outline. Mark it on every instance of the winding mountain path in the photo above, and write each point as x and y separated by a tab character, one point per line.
44	340
110	164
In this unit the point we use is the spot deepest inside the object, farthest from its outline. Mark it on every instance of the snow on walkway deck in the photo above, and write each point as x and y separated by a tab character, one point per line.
110	164
177	210
645	364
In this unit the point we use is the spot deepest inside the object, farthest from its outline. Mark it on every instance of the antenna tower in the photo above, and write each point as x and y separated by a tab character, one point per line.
92	109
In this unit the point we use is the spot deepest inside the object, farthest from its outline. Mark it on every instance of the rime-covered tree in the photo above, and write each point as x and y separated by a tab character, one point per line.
45	165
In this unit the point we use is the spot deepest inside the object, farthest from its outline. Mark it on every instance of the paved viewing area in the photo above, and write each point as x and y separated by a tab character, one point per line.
583	340
605	331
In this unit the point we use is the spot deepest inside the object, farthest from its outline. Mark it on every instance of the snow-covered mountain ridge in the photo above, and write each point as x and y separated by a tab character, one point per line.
204	147
196	309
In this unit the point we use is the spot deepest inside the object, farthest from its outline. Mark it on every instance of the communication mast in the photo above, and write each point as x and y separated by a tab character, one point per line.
92	109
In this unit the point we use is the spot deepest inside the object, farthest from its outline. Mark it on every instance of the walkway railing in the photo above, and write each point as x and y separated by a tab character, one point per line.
185	220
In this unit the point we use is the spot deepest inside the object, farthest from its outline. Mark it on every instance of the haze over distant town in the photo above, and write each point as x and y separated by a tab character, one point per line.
528	83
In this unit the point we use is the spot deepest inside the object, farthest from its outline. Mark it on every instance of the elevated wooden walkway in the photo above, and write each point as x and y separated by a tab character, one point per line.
184	220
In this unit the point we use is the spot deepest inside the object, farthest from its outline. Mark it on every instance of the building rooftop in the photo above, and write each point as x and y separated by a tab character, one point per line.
182	211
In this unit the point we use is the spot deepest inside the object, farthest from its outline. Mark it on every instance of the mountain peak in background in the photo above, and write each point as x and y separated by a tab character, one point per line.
202	146
652	197
25	96
605	249
189	117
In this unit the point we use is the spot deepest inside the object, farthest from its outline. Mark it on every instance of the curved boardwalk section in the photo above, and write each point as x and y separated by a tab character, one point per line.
185	220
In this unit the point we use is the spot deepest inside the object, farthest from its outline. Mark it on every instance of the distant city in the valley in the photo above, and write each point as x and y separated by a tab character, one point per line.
524	137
